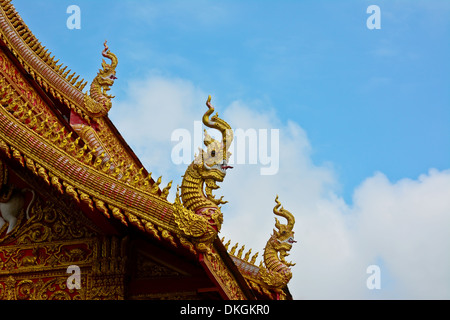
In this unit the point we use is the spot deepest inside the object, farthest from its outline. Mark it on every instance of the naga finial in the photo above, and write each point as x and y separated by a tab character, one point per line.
201	210
283	229
111	56
215	122
211	164
102	84
277	272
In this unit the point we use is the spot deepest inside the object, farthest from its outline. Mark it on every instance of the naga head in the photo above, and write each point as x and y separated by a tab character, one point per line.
108	74
283	239
200	218
105	77
212	163
277	272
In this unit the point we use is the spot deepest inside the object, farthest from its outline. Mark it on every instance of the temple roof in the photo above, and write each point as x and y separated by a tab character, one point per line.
92	163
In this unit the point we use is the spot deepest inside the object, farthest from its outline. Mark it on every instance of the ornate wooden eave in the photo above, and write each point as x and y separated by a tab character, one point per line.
82	181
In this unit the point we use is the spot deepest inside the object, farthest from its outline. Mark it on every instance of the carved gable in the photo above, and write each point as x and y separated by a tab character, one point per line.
36	254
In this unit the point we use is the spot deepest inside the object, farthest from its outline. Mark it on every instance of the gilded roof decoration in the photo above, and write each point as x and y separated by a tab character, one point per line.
98	102
200	217
275	272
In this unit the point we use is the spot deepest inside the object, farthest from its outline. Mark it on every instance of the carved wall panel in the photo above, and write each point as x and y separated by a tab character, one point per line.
50	286
36	254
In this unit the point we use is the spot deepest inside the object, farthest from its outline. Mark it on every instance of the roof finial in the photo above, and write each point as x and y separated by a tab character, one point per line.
102	84
277	272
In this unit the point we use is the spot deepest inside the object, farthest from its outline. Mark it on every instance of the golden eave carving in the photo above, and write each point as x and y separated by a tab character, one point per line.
222	275
145	211
51	161
26	145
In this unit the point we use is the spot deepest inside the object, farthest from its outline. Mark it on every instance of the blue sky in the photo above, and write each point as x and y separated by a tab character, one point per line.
369	100
372	106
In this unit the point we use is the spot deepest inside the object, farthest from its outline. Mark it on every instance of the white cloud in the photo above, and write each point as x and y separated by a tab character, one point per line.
402	226
154	108
407	224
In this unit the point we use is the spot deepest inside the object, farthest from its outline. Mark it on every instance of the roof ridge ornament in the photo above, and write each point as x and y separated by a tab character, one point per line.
98	103
199	216
276	271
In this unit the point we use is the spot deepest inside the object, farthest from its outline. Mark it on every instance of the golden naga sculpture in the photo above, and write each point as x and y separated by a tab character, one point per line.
100	102
277	273
199	216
